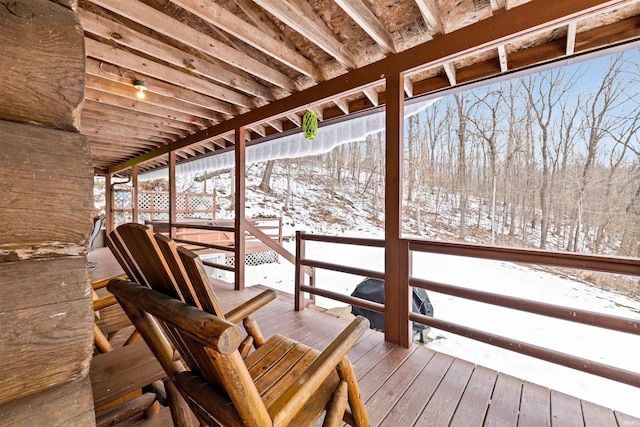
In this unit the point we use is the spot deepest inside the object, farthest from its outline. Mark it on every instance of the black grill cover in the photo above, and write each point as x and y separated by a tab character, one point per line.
373	290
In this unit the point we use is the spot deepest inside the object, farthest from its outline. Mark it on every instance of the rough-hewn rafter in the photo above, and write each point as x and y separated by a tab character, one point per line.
259	17
170	27
133	62
114	73
308	26
571	37
225	20
342	104
502	57
450	71
431	14
124	36
131	104
408	86
365	18
532	18
128	91
372	95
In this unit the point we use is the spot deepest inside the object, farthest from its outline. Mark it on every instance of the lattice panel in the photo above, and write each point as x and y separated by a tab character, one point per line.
258	258
120	218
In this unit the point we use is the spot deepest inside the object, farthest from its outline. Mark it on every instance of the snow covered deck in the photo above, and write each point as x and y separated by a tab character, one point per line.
415	386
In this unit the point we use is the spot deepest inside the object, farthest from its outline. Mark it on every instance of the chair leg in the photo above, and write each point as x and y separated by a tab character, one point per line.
180	412
345	371
336	406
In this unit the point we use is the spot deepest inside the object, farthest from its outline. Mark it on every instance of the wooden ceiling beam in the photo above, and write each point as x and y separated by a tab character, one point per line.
524	21
369	22
228	22
295	119
90	123
124	142
114	73
130	61
502	57
117	145
128	91
129	115
450	71
497	5
342	104
408	86
88	113
125	36
301	18
571	37
319	113
276	124
171	27
259	17
120	101
372	95
431	15
121	131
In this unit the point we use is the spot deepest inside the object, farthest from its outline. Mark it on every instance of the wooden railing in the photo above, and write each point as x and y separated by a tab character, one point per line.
154	210
625	266
218	235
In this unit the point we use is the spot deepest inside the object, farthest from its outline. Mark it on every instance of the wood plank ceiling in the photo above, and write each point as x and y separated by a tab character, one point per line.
206	61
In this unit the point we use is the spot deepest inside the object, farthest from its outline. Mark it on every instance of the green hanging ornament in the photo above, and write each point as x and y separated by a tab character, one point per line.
310	125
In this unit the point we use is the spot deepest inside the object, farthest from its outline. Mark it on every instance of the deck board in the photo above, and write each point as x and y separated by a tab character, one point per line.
473	406
597	416
382	400
535	405
410	406
565	410
505	402
442	405
417	386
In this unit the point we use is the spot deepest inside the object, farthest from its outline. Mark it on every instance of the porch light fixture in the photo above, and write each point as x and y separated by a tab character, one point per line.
140	86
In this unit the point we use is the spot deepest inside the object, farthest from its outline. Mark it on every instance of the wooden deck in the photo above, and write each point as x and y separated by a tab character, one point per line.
417	386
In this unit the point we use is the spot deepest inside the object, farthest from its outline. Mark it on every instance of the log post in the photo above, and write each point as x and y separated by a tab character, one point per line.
396	279
46	181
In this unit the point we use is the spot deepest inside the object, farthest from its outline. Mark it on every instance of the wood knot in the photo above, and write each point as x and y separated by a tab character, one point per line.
19	9
116	36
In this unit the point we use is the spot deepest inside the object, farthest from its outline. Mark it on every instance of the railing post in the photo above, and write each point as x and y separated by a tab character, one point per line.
172	194
134	194
108	204
396	283
240	221
300	254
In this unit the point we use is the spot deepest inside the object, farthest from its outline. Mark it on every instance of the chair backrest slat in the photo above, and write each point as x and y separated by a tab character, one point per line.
200	281
139	241
170	253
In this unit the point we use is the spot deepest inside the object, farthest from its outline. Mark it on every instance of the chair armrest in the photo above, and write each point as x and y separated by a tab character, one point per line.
292	400
246	309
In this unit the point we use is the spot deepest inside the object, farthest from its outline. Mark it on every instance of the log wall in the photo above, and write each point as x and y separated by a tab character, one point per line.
46	182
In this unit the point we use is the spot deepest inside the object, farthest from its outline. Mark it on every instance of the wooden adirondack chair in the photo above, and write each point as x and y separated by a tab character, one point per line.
281	383
154	261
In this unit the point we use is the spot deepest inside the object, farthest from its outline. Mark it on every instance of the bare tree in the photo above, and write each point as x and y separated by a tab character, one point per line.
544	93
265	184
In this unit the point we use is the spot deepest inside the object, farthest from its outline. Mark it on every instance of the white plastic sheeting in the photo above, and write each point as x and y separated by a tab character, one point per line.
294	145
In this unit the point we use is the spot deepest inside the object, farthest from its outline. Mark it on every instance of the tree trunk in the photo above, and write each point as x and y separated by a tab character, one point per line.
265	184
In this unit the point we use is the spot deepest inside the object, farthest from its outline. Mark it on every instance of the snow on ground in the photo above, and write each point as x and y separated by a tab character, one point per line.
609	347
